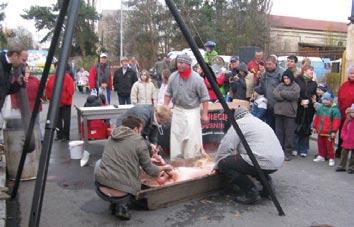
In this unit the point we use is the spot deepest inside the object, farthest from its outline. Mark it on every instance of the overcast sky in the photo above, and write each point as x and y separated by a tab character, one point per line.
338	10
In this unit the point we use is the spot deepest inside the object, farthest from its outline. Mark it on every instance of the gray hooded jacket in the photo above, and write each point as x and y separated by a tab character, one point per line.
122	157
286	99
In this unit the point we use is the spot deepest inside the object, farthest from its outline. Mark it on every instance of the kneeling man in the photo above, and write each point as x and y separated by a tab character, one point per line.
233	162
117	175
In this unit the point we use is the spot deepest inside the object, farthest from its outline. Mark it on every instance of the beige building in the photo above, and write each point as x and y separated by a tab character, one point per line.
292	35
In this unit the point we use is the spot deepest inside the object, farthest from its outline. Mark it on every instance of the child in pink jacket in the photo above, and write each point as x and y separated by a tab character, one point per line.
348	142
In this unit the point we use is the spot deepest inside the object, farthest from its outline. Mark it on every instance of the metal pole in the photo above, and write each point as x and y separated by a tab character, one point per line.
121	29
209	74
44	78
52	116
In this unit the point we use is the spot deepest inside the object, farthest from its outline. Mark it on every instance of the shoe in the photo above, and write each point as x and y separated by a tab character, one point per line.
112	208
58	138
340	169
331	162
248	197
64	139
287	158
303	155
350	171
338	152
122	212
294	153
319	159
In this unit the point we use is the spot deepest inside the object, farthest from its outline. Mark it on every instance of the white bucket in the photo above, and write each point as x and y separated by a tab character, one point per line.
76	148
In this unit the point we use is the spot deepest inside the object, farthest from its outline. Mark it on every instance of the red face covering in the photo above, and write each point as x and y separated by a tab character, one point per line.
184	75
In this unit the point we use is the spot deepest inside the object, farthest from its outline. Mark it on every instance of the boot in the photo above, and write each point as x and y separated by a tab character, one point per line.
338	152
112	208
249	197
122	212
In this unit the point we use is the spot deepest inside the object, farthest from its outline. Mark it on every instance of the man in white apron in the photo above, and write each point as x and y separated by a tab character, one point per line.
187	91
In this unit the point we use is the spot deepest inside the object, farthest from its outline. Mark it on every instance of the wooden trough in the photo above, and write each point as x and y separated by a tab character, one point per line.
163	196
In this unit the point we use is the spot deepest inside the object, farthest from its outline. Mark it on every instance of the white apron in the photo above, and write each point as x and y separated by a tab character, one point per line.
186	133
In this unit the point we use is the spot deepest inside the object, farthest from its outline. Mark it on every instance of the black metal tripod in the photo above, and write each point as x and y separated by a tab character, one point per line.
211	77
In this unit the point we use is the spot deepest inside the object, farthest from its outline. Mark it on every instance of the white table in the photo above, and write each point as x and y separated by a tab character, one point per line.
101	112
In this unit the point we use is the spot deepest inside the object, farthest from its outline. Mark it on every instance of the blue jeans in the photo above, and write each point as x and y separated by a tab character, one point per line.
108	96
124	100
270	118
258	112
302	144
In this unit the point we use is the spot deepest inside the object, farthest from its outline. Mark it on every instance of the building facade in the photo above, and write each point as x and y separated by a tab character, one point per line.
305	37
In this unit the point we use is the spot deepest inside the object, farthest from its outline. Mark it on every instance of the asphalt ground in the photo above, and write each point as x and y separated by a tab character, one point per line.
310	193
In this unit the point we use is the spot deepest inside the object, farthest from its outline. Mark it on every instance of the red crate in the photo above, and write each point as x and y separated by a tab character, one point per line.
97	129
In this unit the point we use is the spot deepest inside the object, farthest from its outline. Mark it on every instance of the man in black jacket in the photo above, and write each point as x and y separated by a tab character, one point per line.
15	57
123	80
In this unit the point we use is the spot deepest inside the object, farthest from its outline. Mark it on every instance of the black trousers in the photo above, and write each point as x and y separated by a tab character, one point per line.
285	131
235	171
125	200
63	123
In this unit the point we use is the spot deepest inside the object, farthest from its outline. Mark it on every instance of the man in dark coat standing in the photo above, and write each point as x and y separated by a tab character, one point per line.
15	57
123	80
100	77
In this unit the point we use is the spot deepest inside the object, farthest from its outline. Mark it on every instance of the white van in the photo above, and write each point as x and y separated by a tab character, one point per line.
321	65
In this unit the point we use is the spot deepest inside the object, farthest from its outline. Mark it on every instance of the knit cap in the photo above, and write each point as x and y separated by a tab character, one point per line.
243	67
289	74
328	96
184	58
234	58
322	87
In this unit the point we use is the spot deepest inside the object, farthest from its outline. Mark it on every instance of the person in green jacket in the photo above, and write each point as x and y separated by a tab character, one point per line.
210	52
117	174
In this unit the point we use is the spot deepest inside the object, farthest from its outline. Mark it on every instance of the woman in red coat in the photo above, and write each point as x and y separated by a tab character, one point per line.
63	123
345	100
32	87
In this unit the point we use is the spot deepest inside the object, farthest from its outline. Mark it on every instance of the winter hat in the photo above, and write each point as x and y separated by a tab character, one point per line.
234	58
259	90
289	74
184	58
328	96
322	87
103	55
91	101
243	67
240	112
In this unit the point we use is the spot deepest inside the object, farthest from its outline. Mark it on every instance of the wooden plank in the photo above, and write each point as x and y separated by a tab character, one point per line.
170	194
232	105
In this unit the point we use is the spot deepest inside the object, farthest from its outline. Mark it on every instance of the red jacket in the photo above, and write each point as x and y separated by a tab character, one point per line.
93	78
32	88
347	134
327	120
67	92
345	96
220	79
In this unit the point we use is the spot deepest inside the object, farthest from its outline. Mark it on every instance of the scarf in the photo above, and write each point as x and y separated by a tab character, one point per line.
184	75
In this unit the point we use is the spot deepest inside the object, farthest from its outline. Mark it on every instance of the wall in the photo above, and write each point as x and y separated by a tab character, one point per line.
287	40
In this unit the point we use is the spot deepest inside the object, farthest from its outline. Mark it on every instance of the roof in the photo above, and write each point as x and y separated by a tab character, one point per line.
307	24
